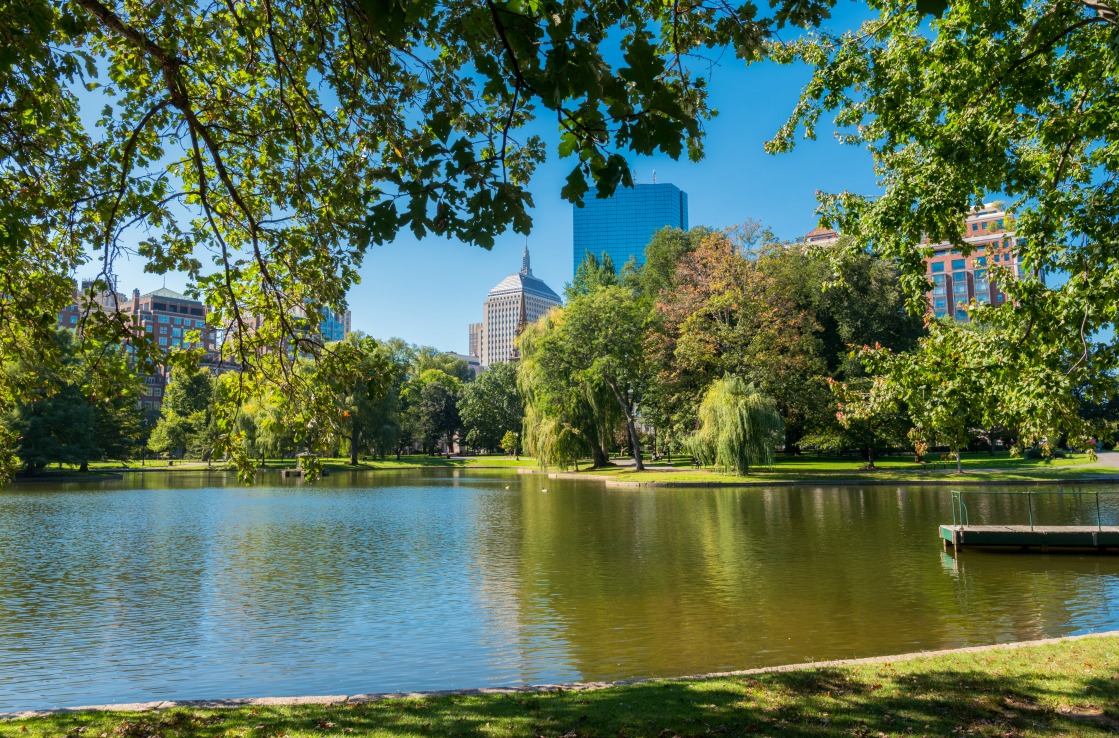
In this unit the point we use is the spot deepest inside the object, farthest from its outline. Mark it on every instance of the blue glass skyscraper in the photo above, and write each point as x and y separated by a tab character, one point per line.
622	224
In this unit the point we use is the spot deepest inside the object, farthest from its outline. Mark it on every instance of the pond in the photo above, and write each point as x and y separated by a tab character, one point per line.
186	586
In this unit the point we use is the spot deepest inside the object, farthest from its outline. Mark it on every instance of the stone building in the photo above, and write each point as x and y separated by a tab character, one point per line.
516	301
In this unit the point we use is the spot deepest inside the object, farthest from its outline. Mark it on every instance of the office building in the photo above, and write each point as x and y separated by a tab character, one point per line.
621	225
959	280
516	301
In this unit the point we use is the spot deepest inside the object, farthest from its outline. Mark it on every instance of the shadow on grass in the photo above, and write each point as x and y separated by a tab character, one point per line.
805	703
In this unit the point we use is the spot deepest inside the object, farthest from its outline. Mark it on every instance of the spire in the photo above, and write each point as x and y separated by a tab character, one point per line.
526	270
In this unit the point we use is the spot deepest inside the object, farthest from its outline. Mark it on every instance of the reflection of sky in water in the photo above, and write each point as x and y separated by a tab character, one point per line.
437	580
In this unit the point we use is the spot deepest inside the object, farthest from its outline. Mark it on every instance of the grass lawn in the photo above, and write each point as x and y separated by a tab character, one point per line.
418	461
1066	689
977	467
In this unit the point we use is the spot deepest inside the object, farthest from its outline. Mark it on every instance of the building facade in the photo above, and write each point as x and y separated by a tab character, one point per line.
959	280
821	236
516	301
621	225
168	316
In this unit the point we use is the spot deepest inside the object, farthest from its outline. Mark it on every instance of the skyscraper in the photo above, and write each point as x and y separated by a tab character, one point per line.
516	301
622	224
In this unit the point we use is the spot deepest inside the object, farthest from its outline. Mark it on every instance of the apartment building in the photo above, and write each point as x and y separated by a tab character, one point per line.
959	280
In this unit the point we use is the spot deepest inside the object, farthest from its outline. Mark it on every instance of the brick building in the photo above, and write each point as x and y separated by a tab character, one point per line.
168	316
959	280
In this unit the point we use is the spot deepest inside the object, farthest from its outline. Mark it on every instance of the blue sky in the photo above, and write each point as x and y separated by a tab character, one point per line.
427	291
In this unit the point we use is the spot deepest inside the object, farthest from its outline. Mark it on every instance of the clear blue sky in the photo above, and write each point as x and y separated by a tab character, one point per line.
427	291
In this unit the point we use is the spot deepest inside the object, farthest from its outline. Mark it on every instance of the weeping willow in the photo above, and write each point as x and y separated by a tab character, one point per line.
739	427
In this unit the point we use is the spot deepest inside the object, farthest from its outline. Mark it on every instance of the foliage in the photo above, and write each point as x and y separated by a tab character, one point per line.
593	274
262	153
739	427
566	418
510	442
433	398
603	336
76	406
491	408
1013	100
186	419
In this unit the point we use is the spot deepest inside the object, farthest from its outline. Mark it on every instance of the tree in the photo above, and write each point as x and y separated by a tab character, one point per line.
491	407
55	428
510	442
355	376
729	312
604	338
279	145
566	416
186	421
592	274
1013	101
738	427
434	416
77	403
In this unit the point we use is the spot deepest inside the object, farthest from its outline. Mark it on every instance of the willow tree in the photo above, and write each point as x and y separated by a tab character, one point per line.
738	427
566	418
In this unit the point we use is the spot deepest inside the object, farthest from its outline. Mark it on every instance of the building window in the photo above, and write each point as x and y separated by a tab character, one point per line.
176	331
178	321
163	319
999	225
938	266
981	261
975	226
958	264
73	318
162	341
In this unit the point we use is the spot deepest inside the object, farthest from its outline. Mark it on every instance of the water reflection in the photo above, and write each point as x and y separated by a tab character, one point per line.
174	586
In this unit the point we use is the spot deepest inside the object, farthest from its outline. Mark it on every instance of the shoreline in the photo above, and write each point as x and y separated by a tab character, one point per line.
589	686
611	480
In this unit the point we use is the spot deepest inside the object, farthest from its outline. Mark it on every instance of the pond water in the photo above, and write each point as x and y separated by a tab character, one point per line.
177	586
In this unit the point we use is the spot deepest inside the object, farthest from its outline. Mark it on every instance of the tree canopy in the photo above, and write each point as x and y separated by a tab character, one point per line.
1013	101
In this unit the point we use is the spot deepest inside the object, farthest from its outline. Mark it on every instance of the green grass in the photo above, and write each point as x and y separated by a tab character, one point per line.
417	461
1065	689
977	467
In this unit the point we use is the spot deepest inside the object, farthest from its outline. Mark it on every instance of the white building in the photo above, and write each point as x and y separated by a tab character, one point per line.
516	301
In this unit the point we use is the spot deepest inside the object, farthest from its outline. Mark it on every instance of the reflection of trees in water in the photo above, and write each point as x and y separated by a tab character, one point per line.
668	581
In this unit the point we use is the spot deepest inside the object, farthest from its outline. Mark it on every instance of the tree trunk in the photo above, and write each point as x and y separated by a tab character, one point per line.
631	427
84	468
353	440
636	444
959	464
598	457
870	457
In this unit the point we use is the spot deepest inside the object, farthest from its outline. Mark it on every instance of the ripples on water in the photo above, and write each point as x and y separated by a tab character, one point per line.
432	580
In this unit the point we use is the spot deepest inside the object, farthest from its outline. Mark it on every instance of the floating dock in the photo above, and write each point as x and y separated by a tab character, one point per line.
1024	536
962	533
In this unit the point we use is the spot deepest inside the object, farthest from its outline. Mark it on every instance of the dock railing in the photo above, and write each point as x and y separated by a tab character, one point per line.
960	511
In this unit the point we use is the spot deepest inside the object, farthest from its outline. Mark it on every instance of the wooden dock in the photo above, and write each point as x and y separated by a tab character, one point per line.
1043	537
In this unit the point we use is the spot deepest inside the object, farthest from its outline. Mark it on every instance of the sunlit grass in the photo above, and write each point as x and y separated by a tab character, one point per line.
1066	689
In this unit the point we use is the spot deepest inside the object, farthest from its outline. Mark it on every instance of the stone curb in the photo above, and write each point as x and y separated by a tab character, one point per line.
536	688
